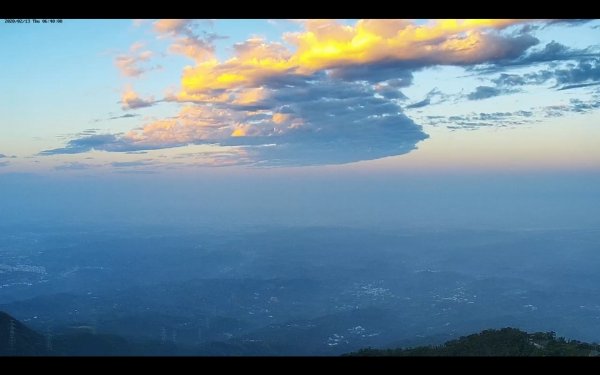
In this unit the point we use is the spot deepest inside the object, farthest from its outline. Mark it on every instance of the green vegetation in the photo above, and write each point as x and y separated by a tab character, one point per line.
17	339
503	342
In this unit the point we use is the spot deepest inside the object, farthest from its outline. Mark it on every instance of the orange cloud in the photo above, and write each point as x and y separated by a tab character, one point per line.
129	65
280	118
131	100
171	26
186	42
192	124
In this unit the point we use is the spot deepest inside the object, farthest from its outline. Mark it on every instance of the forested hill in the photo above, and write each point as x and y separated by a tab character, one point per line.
503	342
17	339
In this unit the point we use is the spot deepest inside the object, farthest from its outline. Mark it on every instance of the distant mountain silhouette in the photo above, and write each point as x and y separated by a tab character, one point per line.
503	342
17	339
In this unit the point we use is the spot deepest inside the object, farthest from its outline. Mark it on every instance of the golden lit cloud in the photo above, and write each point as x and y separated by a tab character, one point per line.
331	93
280	118
328	44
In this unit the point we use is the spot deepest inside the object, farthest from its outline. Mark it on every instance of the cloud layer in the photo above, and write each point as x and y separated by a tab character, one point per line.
329	94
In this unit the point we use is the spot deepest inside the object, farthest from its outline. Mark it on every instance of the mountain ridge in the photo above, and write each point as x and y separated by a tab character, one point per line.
16	339
504	342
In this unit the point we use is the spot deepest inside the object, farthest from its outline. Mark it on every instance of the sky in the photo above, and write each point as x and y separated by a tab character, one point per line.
303	111
115	96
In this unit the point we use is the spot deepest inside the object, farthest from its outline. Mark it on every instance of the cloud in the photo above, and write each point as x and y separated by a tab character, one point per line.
585	71
581	106
484	92
569	22
130	65
474	121
73	166
2	156
574	106
4	163
579	85
127	164
131	100
186	41
550	53
325	121
328	95
108	142
435	93
553	51
127	115
581	73
387	48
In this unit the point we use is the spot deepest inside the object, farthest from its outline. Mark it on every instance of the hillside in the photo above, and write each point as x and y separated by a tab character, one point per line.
503	342
18	340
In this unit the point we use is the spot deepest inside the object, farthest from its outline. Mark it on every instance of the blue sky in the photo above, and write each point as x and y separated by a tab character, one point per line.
179	96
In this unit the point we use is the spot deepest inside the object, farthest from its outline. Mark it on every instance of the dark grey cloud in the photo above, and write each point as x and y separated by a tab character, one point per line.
474	120
88	132
582	106
399	73
508	80
579	85
574	106
343	122
2	156
586	71
428	100
569	22
390	92
552	52
126	115
106	142
564	76
570	75
419	104
484	92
